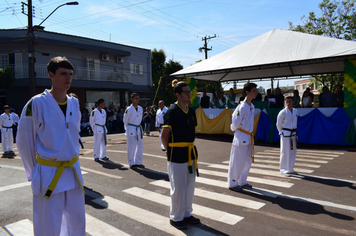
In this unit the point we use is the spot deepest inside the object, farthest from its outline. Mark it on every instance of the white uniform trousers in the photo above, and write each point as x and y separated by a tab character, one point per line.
134	150
160	138
7	139
287	157
182	190
240	164
99	145
61	215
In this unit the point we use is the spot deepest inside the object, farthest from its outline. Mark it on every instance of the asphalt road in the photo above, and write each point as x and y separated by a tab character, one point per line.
321	200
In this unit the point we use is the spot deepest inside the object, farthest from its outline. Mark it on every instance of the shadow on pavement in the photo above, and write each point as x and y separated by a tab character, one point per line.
112	165
152	174
91	195
330	182
295	204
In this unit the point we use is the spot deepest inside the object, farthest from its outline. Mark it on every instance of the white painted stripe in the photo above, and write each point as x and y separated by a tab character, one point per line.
146	217
13	186
306	153
13	167
251	179
339	152
271	173
298	159
226	167
237	201
277	162
97	227
223	184
199	210
3	232
100	173
21	228
276	156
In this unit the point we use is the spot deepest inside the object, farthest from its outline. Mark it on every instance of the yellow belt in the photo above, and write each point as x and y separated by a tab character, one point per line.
61	166
251	141
190	147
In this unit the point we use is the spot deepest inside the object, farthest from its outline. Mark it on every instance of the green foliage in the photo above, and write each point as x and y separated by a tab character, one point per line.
337	20
7	77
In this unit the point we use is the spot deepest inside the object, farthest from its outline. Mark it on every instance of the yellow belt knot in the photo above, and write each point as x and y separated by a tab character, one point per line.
61	165
191	148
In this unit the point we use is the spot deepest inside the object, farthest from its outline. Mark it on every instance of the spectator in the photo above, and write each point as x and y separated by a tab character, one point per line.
279	103
16	120
326	98
204	101
147	120
120	117
222	101
269	95
311	96
232	98
306	99
214	102
296	99
338	97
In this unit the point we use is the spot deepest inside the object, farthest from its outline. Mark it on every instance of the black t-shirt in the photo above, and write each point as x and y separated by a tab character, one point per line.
204	101
182	126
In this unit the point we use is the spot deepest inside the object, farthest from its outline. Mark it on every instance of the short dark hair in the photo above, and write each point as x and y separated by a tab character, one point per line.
59	62
289	97
249	86
134	95
101	100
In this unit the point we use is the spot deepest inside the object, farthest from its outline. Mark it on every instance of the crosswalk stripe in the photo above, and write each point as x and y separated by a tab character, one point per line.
21	228
305	153
146	217
199	210
277	162
276	155
3	232
226	167
271	173
97	227
251	179
217	196
318	151
13	167
13	186
298	159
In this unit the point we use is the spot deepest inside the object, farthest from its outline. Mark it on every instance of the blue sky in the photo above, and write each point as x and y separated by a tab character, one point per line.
176	26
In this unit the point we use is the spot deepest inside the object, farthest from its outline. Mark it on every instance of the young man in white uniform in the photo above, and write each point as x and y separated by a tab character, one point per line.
16	120
7	139
134	133
97	122
159	120
48	142
287	129
241	155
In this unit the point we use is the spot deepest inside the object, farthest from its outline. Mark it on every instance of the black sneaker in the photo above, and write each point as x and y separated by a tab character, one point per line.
191	220
178	224
133	167
236	188
140	166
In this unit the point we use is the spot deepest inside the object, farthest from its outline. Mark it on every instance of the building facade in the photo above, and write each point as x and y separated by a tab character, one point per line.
102	69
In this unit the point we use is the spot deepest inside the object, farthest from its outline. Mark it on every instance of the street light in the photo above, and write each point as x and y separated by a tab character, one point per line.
31	47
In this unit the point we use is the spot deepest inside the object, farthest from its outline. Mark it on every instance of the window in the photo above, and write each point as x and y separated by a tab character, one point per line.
136	69
304	86
298	87
4	60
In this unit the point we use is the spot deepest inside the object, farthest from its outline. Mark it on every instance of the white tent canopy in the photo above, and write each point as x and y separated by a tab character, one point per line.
277	53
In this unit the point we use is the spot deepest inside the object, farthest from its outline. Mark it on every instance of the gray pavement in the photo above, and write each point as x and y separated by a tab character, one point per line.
321	200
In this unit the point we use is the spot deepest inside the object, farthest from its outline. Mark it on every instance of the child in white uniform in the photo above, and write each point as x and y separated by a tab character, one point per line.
7	140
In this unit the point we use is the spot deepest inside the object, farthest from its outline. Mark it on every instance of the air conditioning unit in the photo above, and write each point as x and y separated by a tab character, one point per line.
104	57
119	59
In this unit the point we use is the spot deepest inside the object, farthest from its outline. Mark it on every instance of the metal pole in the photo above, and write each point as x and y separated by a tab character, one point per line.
31	51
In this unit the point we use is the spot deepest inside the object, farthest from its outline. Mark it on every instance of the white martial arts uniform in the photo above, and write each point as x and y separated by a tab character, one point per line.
134	134
241	149
160	121
7	139
97	122
287	121
45	132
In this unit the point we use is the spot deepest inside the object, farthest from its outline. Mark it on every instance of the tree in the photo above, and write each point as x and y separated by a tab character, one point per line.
7	77
337	20
261	90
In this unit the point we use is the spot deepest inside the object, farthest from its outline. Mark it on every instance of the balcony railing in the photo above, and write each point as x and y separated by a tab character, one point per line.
80	73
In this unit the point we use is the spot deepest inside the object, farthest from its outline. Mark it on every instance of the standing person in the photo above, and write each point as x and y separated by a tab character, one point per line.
134	134
296	99
178	136
120	117
7	139
287	128
48	142
215	102
15	119
97	123
160	121
232	98
222	101
204	101
147	120
306	99
338	97
241	155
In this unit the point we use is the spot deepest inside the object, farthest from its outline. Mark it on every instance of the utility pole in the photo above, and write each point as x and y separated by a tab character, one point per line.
205	48
31	51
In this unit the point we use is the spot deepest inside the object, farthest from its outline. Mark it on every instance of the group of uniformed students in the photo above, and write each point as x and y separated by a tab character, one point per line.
49	143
